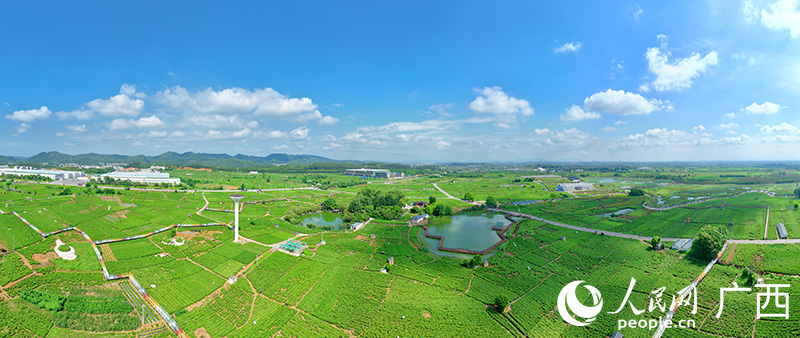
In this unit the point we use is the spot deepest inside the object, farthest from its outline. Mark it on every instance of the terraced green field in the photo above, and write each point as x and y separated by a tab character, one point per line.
339	289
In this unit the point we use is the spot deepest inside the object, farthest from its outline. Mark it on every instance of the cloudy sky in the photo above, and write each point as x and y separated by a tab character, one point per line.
404	81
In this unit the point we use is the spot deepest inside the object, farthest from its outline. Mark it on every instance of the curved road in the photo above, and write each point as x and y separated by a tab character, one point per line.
770	194
577	228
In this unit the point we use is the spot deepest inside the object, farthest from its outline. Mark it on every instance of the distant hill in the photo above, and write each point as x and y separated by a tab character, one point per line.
7	159
173	158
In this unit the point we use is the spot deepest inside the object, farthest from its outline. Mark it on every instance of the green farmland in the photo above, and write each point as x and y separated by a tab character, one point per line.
348	288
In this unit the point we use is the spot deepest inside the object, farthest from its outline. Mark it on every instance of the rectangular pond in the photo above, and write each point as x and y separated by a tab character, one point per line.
471	232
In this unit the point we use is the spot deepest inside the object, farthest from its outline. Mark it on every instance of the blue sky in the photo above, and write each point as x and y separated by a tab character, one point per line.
405	81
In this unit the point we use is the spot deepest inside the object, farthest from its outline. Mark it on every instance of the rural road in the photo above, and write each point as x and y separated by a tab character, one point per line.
451	196
765	241
770	194
445	192
577	228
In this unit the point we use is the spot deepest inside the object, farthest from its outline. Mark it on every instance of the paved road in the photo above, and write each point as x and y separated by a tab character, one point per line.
765	241
642	238
445	192
770	194
577	228
455	198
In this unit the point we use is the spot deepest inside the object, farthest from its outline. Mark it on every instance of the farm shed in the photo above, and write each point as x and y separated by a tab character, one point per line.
782	231
683	245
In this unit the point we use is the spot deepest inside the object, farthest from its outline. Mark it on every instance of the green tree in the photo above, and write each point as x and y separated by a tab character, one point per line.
797	193
442	210
748	277
476	260
491	202
501	301
709	241
431	199
355	206
468	197
330	204
654	242
636	192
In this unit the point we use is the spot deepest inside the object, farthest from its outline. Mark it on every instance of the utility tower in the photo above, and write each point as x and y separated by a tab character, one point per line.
236	199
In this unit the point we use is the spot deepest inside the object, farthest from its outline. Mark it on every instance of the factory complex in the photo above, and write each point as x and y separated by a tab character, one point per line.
54	175
373	173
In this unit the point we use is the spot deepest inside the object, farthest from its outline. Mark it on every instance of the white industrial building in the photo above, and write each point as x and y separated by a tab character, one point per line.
572	187
377	173
54	175
141	177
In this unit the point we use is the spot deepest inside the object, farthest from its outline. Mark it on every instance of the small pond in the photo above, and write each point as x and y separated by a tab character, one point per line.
324	219
617	213
472	232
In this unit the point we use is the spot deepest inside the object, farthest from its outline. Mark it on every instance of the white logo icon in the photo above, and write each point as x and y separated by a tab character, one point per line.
568	301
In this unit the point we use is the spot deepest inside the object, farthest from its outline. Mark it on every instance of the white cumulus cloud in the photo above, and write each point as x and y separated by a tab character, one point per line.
151	121
621	102
678	73
783	14
569	47
30	115
766	108
504	109
23	127
127	103
77	128
729	125
575	113
80	114
300	132
261	102
781	128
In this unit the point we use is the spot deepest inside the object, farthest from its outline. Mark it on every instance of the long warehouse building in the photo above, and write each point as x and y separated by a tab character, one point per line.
54	175
142	177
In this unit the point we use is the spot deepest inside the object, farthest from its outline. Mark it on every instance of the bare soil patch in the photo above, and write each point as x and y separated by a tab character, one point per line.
86	211
207	234
201	333
44	259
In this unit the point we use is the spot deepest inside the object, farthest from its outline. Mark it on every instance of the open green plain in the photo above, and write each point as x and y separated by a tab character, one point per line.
348	288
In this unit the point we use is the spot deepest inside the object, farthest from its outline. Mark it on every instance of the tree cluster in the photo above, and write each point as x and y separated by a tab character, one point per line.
47	301
709	241
376	204
636	192
491	202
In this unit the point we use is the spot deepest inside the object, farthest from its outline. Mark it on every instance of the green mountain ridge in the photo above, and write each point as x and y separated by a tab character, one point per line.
172	158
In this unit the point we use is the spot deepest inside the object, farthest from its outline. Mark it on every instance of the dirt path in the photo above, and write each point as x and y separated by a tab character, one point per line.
470	282
24	260
766	224
10	285
731	254
527	292
388	289
204	268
